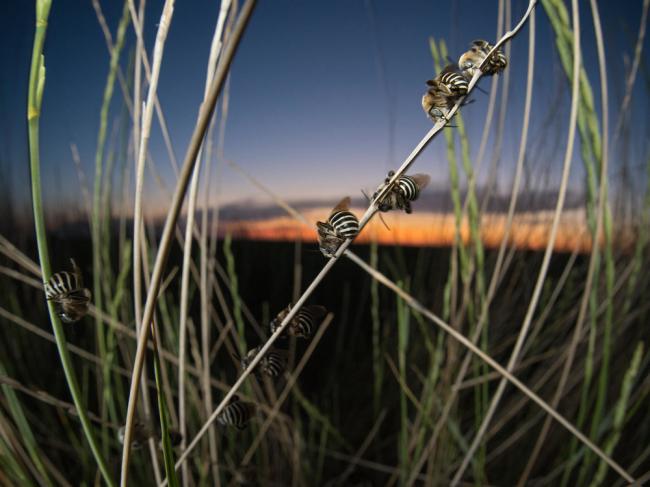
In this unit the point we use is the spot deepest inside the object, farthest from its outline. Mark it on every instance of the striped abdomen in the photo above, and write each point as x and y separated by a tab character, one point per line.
455	82
61	284
408	187
236	413
272	364
344	223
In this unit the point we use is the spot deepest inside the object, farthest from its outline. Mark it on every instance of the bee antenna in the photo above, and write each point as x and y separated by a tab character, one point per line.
384	222
480	89
367	197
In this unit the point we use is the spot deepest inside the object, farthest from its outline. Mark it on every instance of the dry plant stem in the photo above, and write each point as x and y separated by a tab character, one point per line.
291	380
185	278
496	275
204	117
629	82
372	209
413	303
142	146
362	449
137	26
599	229
523	333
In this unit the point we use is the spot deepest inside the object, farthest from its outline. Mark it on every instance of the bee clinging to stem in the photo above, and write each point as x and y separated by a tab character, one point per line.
142	432
303	324
403	191
237	413
272	364
340	225
70	298
472	59
444	90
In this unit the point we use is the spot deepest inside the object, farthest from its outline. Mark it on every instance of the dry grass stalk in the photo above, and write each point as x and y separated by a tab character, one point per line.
593	260
204	117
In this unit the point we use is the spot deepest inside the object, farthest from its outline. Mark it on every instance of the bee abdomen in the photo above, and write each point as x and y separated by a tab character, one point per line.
456	83
236	414
60	284
273	364
408	188
345	223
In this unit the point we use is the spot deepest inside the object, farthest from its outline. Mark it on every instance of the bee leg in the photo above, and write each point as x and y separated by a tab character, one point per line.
407	207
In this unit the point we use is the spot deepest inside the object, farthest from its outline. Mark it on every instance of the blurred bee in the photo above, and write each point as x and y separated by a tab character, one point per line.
70	297
340	225
303	324
142	432
272	364
444	90
472	59
405	190
237	413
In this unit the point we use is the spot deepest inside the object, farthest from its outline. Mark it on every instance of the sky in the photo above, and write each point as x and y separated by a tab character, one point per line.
324	96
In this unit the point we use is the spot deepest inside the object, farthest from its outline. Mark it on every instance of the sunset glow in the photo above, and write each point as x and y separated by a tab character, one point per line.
528	230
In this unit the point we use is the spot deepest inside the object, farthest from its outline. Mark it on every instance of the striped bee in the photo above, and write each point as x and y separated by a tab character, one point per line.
472	59
272	364
70	297
142	431
303	324
404	190
340	225
444	90
237	413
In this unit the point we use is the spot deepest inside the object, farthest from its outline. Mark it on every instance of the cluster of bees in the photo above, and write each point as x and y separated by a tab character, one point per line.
71	299
238	413
343	224
443	92
452	83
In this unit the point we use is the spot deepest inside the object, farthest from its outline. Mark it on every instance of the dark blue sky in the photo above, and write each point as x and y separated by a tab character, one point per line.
310	112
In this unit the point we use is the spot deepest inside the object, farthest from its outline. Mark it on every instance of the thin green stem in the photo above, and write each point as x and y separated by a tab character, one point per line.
35	96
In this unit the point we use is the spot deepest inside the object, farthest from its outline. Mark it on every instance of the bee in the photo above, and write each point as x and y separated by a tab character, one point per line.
405	190
237	413
142	432
340	225
272	364
444	90
472	59
303	324
70	297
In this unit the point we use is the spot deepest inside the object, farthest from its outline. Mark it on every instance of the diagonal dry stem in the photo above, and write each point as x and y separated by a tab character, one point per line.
413	303
370	212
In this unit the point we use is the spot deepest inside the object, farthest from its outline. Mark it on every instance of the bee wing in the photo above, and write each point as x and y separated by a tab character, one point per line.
342	205
324	229
77	273
422	180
